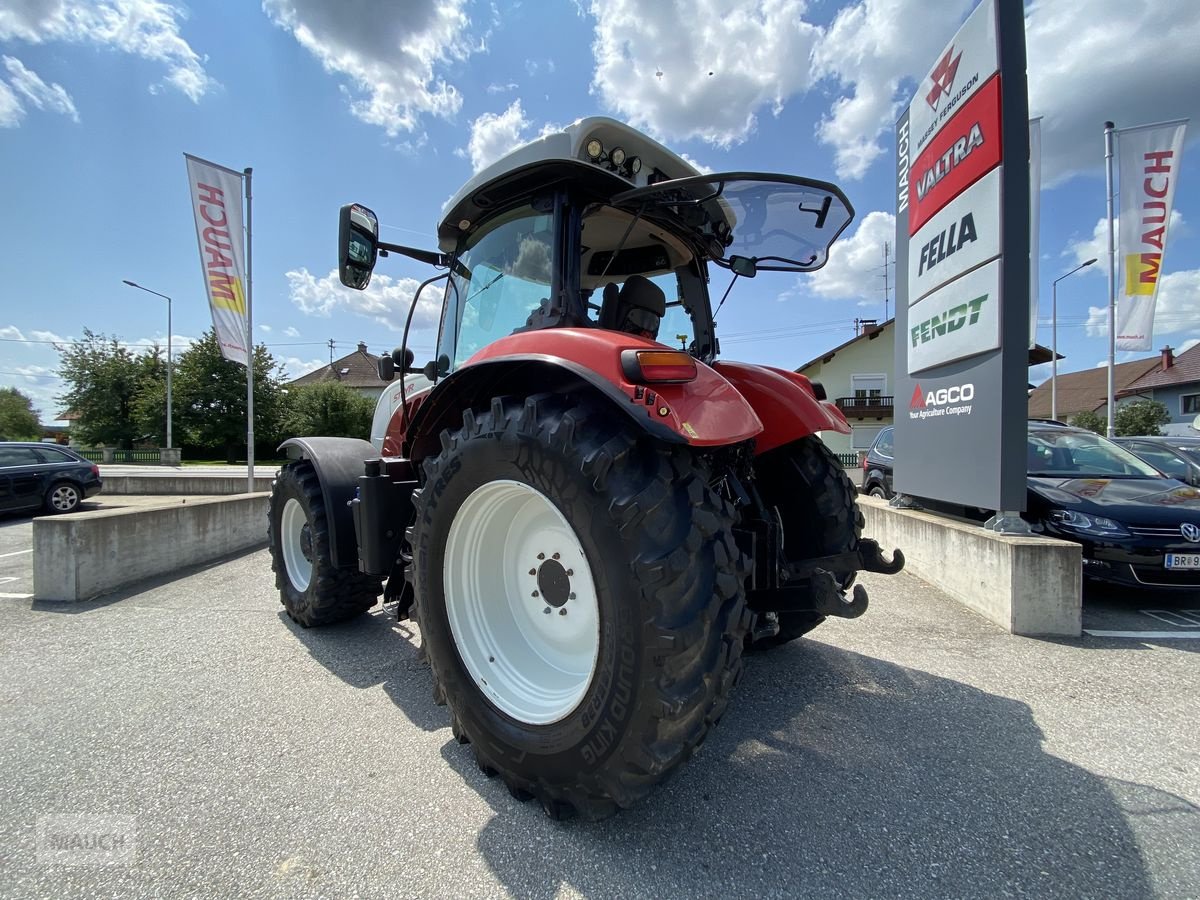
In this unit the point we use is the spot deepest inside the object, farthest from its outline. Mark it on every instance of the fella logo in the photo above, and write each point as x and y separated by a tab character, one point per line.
943	78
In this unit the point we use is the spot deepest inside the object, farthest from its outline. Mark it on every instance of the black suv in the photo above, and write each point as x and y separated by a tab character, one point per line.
44	476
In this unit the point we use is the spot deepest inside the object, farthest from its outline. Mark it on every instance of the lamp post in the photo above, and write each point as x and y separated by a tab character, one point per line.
1054	337
134	284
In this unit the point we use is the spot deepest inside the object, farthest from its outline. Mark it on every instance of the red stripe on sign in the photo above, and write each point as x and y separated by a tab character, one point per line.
966	149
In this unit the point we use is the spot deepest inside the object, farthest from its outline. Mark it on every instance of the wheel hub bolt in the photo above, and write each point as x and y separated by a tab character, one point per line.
534	594
570	572
541	556
571	596
555	556
533	571
563	611
546	610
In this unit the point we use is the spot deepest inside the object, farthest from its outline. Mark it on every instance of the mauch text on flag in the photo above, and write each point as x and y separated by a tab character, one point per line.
216	195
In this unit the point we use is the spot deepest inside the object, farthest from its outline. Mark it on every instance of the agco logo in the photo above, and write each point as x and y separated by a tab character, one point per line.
949	401
1190	531
943	78
959	393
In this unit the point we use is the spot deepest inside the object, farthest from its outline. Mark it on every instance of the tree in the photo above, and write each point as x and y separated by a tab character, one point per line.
104	382
327	408
1141	417
210	397
18	419
1091	420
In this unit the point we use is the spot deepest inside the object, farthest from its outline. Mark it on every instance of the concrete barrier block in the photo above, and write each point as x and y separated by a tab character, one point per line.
1027	585
183	483
83	555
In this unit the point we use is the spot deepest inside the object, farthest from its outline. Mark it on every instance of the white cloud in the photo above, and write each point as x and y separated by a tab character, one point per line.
11	111
291	332
1187	345
855	267
145	28
873	49
389	56
265	328
386	300
502	88
11	333
495	134
1177	311
52	97
1096	246
1107	59
294	367
701	69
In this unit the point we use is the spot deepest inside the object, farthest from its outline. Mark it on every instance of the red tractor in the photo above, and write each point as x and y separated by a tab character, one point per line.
589	515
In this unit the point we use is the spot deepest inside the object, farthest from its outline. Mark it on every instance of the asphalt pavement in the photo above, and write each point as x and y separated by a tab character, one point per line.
915	752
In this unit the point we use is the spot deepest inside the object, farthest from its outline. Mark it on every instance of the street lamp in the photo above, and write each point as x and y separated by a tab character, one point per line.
168	299
1054	337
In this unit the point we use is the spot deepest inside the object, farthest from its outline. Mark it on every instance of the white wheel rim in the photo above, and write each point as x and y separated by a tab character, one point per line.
63	497
292	540
535	666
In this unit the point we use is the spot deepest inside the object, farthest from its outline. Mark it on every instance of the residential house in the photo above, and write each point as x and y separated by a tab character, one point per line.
1086	391
358	371
1175	382
857	376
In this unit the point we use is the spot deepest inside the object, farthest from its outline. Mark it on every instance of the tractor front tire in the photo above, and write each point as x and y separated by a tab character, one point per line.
815	500
312	590
580	598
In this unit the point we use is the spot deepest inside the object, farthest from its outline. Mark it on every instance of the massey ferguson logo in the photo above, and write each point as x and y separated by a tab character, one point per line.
951	401
943	78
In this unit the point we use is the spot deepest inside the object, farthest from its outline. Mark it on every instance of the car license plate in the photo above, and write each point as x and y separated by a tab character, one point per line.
1183	560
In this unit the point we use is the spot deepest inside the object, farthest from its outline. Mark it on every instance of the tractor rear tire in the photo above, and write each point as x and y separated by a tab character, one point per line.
312	590
580	599
815	499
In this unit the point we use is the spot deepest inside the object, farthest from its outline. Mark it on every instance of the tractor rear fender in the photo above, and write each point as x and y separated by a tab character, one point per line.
785	402
705	412
338	463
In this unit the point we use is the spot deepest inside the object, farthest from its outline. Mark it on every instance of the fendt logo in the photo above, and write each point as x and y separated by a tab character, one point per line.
943	78
951	401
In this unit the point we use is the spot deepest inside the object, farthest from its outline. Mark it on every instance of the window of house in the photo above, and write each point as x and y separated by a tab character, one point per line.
1189	404
867	389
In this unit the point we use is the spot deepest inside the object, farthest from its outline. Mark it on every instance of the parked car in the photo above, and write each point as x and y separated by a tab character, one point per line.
42	476
1178	457
1136	525
877	466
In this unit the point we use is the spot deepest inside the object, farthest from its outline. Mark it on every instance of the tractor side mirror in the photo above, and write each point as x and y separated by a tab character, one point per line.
358	245
436	369
404	363
744	266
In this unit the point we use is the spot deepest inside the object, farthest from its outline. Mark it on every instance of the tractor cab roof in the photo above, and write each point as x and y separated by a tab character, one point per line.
596	151
747	221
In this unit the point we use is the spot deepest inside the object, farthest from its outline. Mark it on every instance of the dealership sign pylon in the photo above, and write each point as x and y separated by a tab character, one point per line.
963	279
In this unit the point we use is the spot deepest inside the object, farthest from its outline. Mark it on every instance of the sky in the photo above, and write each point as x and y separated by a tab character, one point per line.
396	105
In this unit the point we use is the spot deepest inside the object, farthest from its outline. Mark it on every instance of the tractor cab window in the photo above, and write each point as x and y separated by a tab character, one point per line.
502	286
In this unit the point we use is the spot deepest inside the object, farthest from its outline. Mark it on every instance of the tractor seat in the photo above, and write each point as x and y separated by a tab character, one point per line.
637	307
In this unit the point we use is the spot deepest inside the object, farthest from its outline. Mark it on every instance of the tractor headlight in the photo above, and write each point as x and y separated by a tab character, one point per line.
595	149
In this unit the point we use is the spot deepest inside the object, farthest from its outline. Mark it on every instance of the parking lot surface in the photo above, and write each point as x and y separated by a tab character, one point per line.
915	752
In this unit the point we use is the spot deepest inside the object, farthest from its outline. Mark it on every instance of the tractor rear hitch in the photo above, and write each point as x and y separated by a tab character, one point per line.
867	557
820	593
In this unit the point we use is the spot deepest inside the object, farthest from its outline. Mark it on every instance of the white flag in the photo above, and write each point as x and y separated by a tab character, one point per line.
1150	159
216	194
1035	219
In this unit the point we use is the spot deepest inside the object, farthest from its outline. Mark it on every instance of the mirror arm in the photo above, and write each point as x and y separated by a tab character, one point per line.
431	257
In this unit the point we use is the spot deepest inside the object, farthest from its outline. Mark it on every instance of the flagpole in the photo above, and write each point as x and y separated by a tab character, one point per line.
250	334
1112	276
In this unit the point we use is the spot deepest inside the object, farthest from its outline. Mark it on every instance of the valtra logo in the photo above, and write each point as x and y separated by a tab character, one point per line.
943	78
